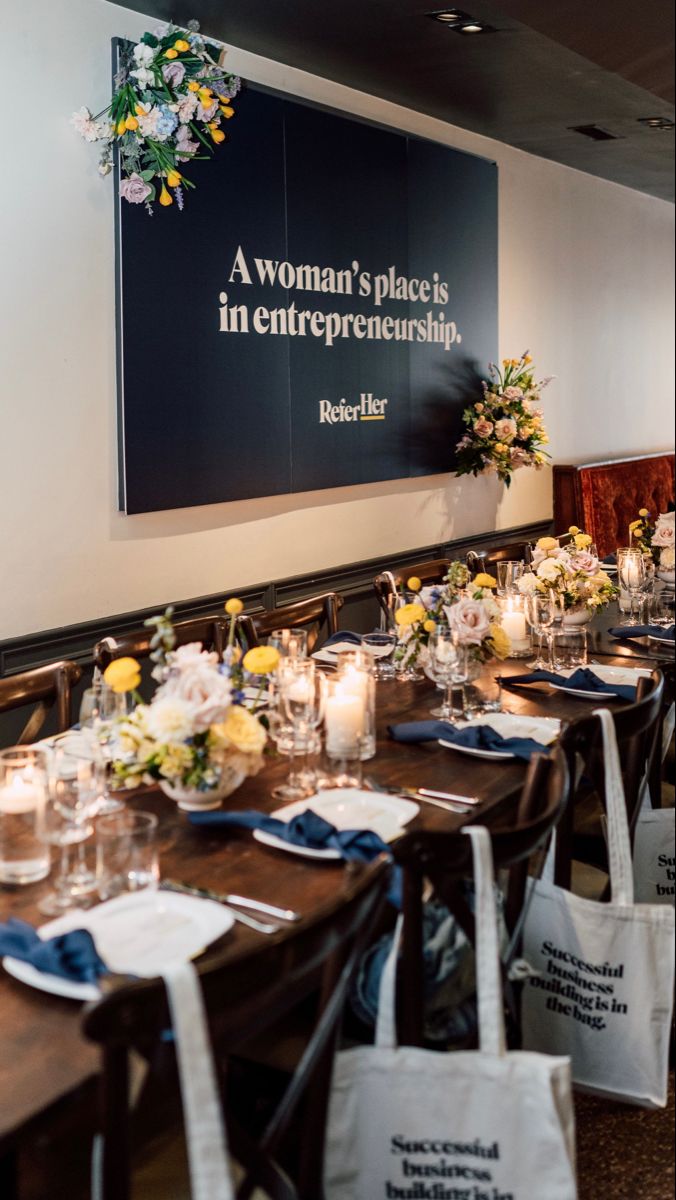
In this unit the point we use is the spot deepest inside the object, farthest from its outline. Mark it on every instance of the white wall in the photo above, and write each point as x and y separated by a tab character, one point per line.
586	272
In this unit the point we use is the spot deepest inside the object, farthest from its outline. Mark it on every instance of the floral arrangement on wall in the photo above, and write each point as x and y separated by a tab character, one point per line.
171	97
505	429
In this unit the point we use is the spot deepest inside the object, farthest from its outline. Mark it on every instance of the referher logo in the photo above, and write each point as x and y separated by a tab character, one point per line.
369	408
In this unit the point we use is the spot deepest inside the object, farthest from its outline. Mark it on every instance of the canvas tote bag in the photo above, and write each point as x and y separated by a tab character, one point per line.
654	866
412	1124
603	987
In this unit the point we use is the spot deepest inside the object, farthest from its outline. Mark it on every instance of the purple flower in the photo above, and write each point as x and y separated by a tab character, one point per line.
134	189
173	73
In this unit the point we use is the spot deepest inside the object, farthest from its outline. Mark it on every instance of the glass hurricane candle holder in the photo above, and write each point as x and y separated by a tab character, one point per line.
24	857
356	675
514	623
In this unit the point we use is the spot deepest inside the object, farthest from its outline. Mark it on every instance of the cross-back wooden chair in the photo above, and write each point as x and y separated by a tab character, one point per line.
212	632
389	584
243	998
444	860
317	614
47	688
638	728
486	560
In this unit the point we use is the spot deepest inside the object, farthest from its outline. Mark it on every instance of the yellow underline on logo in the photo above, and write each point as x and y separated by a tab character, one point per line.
372	418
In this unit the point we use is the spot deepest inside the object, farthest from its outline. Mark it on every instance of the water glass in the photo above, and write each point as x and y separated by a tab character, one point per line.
291	643
24	857
126	853
509	573
569	649
381	646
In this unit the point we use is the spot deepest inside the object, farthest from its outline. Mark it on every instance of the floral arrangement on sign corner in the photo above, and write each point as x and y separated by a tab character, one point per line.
655	538
171	95
197	732
504	430
467	607
572	572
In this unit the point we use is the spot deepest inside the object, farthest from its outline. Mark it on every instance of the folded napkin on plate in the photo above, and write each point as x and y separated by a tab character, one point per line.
474	737
610	560
636	631
70	955
345	635
310	830
583	680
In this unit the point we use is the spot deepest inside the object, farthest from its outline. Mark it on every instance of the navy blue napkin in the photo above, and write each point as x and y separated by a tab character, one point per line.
345	635
307	829
583	678
69	955
610	560
475	737
636	631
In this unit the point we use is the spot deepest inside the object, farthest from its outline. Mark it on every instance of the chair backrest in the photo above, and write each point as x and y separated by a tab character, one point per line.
484	560
318	614
243	998
46	688
390	583
445	859
212	632
638	729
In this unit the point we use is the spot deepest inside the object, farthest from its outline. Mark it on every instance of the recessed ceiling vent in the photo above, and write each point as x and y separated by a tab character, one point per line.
594	132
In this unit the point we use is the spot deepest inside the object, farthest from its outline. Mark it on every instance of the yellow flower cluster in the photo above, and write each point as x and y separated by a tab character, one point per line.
261	660
500	641
408	614
482	580
122	675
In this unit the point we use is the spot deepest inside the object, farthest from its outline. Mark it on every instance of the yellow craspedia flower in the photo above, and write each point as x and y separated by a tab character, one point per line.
228	111
414	584
408	614
643	512
547	544
574	529
181	45
217	136
583	540
173	179
122	675
131	123
261	660
193	86
430	626
234	606
171	53
501	641
165	198
528	358
483	580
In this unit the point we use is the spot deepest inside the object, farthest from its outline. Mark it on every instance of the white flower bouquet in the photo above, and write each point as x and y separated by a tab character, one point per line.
571	571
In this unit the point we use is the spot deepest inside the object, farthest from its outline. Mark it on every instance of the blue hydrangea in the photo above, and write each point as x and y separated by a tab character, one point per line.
166	122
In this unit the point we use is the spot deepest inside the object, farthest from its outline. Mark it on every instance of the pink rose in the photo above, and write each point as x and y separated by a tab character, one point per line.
470	620
482	427
513	393
582	560
134	189
664	530
505	429
207	113
173	73
194	677
518	456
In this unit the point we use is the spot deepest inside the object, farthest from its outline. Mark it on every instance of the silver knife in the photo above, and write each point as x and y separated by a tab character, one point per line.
270	910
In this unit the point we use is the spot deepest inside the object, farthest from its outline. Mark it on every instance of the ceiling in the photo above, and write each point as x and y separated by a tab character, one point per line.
549	65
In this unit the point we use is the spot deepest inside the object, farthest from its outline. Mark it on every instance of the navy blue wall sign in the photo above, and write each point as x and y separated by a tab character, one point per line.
315	317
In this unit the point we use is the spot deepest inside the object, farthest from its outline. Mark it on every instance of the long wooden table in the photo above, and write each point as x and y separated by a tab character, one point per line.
44	1060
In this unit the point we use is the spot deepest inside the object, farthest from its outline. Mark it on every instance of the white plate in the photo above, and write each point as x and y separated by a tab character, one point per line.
541	729
346	808
141	933
251	693
328	654
623	676
661	641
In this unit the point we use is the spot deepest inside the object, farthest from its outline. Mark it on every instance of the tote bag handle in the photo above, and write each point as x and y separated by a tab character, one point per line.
488	977
619	844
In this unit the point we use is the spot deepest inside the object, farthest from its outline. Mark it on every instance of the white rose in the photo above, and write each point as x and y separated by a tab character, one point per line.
528	584
470	619
549	570
668	558
143	54
170	719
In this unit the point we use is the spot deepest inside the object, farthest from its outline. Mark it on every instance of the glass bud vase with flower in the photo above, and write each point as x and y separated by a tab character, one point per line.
410	617
301	704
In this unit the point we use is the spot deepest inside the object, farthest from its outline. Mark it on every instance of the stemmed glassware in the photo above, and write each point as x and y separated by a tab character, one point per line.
631	571
448	662
73	792
541	614
301	704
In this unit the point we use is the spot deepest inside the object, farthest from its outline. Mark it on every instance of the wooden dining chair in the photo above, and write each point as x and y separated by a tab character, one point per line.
243	998
48	688
212	632
487	560
638	728
389	584
317	614
444	861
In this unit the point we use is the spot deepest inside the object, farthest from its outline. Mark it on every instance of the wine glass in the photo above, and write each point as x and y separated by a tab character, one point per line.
540	614
72	797
631	572
100	708
301	705
446	667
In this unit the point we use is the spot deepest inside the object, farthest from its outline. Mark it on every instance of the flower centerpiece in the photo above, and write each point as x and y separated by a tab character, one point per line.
663	543
196	737
468	607
504	429
571	572
171	96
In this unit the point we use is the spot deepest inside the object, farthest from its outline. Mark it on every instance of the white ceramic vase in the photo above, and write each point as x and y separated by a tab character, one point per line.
193	800
580	615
